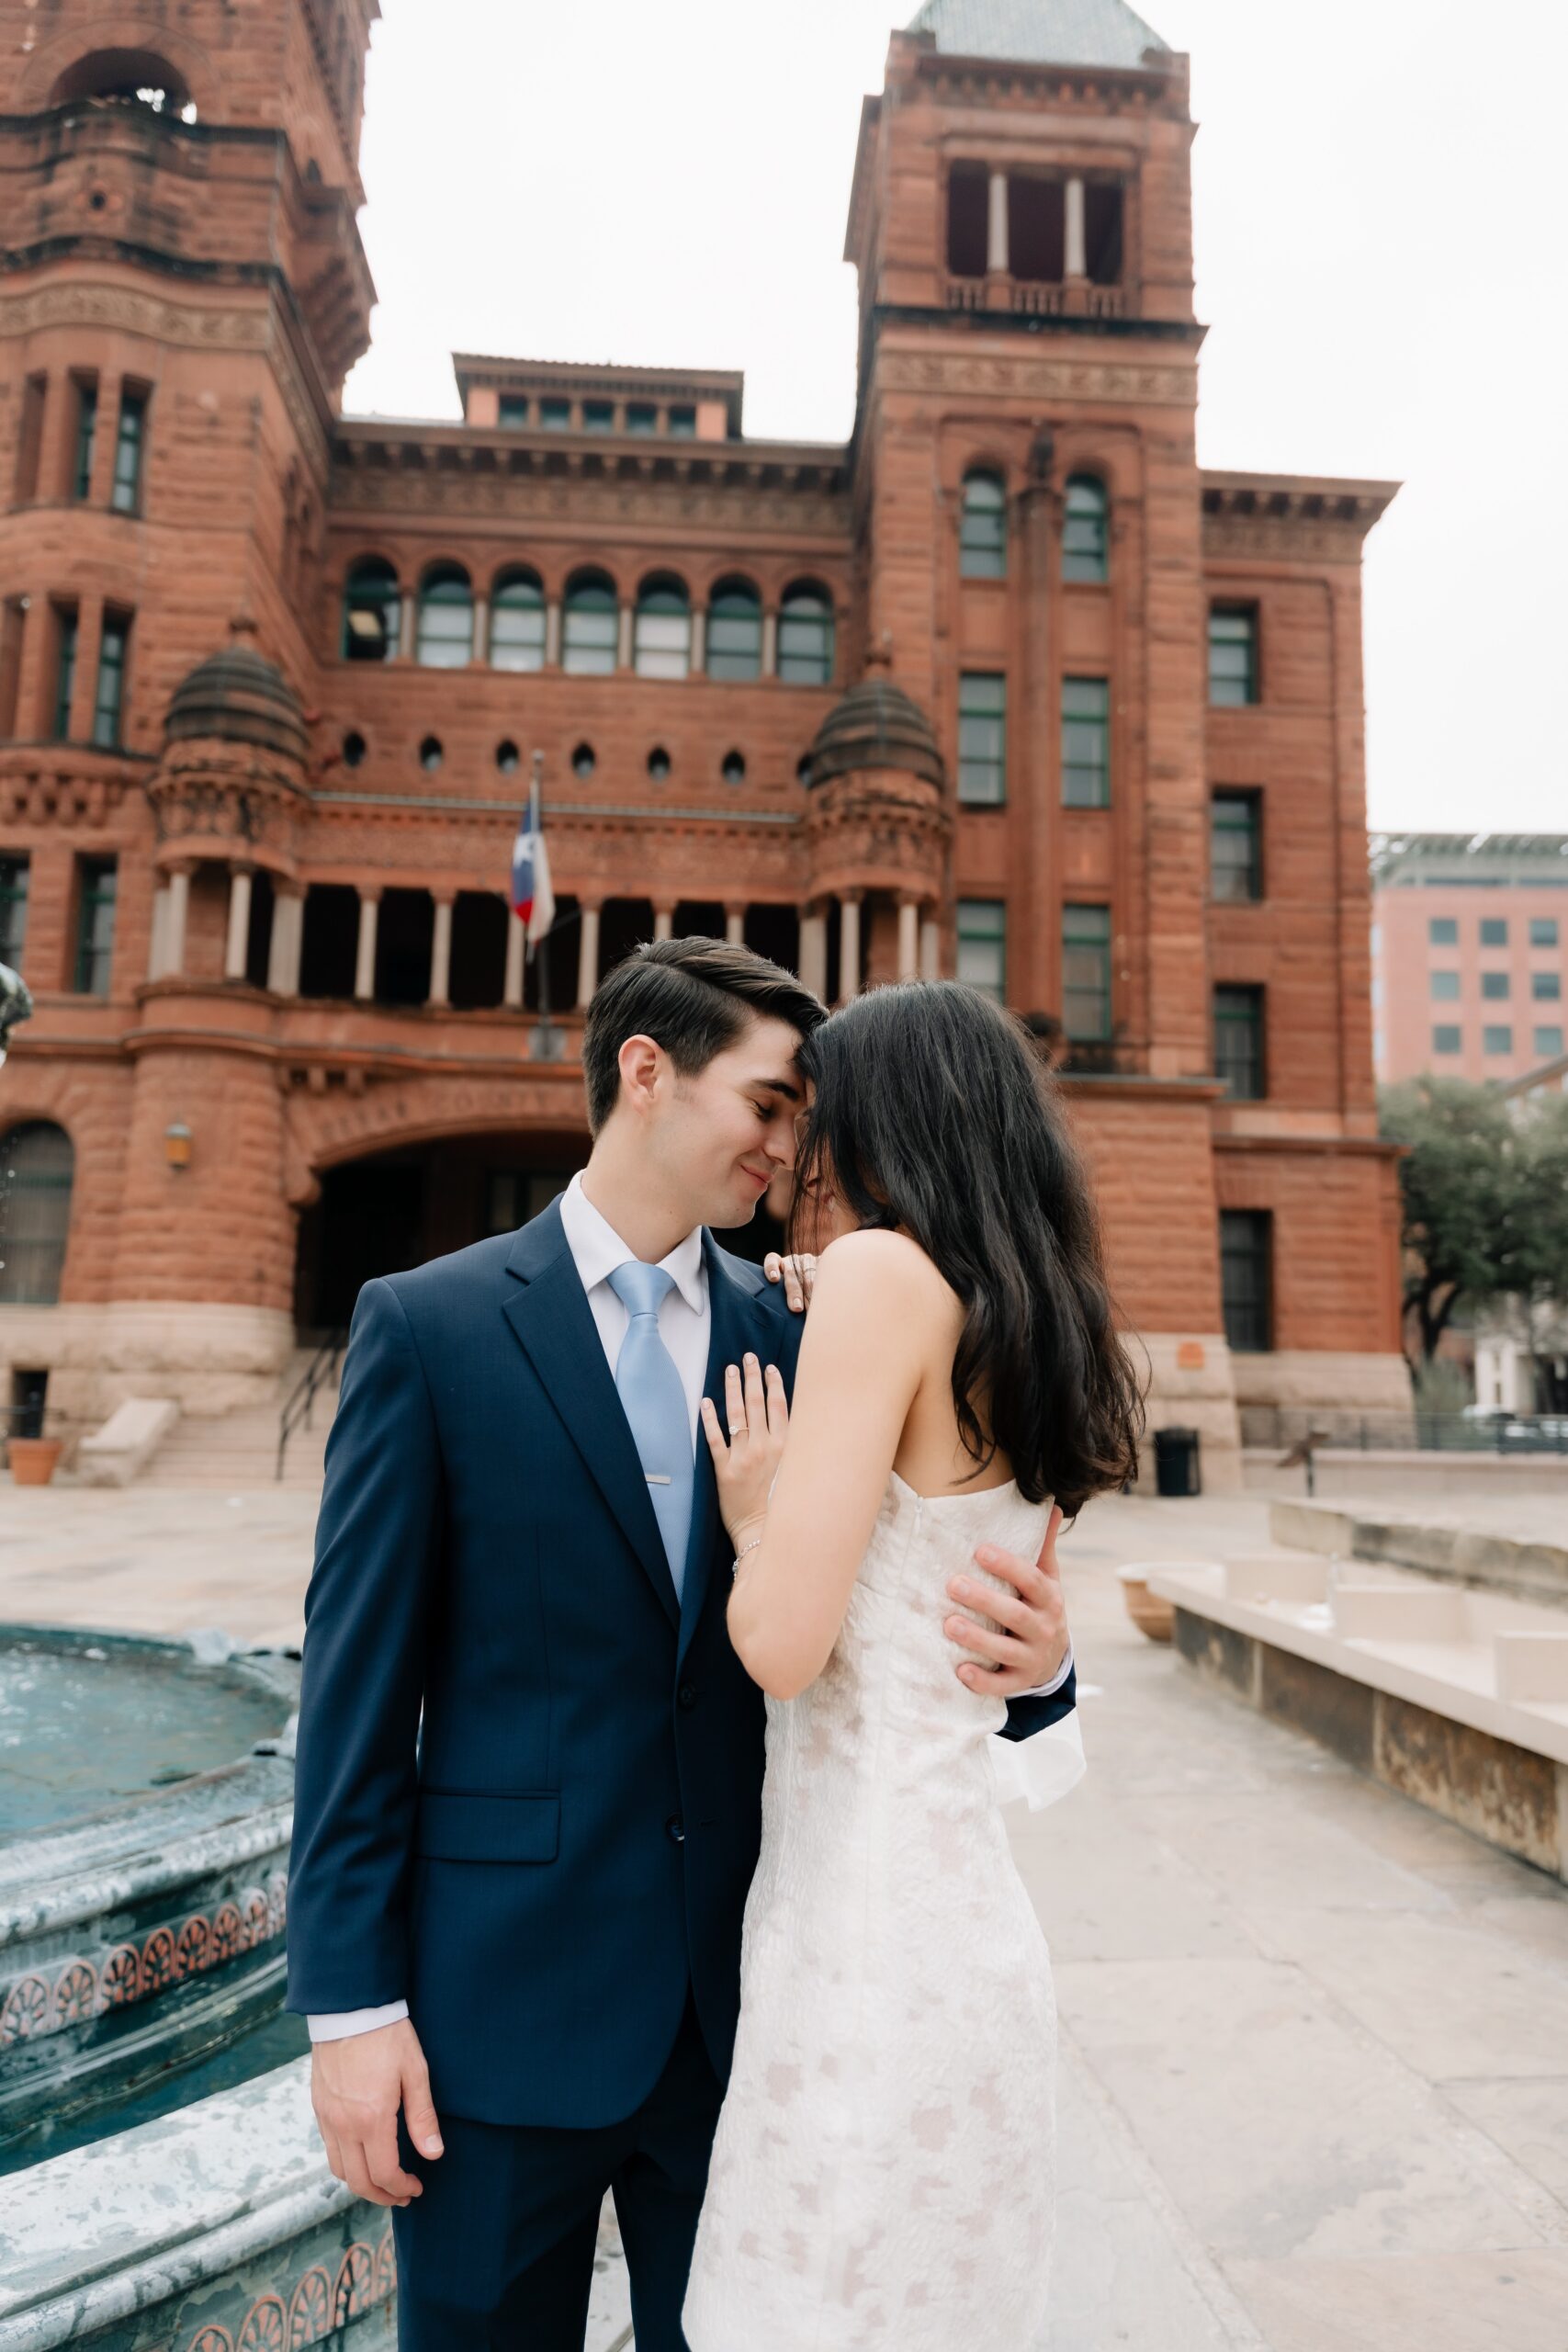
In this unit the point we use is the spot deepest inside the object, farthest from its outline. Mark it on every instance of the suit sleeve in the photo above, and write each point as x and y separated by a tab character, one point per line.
377	1542
1028	1716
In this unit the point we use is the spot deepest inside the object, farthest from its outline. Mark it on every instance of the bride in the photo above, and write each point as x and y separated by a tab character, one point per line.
883	2175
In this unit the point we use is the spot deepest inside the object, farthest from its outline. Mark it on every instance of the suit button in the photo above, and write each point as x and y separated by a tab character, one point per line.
687	1695
676	1830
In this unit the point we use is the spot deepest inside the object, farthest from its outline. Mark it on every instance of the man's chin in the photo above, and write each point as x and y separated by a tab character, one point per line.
734	1214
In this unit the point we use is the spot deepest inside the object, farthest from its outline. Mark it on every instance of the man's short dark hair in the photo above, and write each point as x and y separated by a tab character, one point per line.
695	996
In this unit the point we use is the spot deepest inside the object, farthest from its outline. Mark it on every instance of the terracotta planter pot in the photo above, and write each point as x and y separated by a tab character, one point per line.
1153	1617
33	1459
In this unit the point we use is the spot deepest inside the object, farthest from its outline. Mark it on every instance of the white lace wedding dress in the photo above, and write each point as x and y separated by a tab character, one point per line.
883	2177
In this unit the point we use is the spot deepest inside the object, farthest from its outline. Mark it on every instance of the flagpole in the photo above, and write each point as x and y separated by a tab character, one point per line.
547	1041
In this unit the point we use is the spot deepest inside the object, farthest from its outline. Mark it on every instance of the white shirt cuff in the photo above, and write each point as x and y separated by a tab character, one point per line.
1048	1690
346	2023
1038	1772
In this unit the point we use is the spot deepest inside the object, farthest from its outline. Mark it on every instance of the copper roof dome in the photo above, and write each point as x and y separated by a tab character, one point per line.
876	724
239	696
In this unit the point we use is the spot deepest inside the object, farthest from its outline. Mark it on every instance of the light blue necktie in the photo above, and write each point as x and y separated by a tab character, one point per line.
654	1399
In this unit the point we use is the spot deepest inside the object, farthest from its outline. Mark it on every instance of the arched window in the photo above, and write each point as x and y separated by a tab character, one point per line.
1086	533
372	611
662	641
517	623
133	76
983	533
37	1164
805	637
445	639
734	631
592	627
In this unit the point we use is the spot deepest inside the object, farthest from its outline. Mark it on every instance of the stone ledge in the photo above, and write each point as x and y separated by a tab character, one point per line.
1379	1706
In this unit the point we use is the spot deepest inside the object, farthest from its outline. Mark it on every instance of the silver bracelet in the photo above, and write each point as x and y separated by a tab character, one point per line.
753	1545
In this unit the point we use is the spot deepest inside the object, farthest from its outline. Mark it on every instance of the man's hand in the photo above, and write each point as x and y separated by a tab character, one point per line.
356	2088
1033	1643
798	1277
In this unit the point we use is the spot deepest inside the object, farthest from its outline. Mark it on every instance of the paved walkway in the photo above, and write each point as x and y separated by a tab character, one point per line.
1314	2090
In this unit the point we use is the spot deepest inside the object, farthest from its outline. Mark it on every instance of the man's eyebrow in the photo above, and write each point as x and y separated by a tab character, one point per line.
784	1086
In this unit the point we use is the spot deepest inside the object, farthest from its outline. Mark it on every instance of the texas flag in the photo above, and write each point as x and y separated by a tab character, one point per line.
533	900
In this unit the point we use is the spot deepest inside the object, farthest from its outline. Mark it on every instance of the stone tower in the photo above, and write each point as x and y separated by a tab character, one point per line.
184	293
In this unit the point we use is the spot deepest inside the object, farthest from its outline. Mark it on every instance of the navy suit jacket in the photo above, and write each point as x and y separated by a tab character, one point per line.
528	1781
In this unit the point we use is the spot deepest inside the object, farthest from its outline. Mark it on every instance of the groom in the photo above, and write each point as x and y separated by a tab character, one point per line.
529	1762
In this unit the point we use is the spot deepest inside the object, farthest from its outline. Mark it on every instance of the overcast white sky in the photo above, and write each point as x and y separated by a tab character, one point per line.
1379	229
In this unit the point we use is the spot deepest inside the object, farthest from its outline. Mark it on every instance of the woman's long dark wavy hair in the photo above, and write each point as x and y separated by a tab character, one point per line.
934	1115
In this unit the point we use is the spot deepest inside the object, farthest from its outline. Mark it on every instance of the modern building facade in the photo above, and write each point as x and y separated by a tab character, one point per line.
1005	687
1470	954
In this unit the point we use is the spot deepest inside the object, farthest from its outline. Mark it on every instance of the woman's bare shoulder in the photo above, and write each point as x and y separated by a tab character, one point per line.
881	1270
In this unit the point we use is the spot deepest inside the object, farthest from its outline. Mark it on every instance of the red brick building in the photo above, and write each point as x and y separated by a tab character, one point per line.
1007	686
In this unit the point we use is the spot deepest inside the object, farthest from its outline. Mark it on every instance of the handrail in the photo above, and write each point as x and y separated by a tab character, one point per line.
296	1412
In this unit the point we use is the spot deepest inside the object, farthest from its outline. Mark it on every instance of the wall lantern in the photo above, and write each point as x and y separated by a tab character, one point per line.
176	1145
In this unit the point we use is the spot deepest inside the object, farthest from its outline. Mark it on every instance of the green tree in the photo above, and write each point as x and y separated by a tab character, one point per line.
1474	1178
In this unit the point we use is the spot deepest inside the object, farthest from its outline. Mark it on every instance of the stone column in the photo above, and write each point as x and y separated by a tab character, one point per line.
287	938
85	684
849	948
174	920
909	939
931	948
440	951
364	962
588	956
105	441
813	951
517	950
239	923
160	927
480	653
552	633
735	926
54	437
624	647
664	923
1076	265
770	645
699	641
996	258
408	611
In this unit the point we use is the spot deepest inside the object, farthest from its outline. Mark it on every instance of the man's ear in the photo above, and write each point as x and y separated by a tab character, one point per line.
641	1062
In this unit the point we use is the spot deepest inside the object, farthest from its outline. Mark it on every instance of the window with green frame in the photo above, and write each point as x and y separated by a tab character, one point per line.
1446	1037
554	416
734	631
108	699
1546	988
1548	1041
517	623
130	441
64	670
39	1163
86	434
1238	1043
444	637
1085	531
98	878
372	612
13	909
1543	931
1498	1040
983	532
599	416
1246	1265
983	945
1235	841
1086	744
513	411
1086	974
1494	931
807	649
591	637
982	741
1442	931
1232	654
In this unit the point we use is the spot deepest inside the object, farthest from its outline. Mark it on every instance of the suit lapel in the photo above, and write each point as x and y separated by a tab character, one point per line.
732	1332
548	1309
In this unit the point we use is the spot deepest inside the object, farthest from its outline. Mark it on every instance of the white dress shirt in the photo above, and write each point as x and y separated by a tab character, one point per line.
686	1321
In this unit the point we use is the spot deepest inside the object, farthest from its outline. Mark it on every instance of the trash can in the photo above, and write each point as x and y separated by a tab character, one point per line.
1176	1463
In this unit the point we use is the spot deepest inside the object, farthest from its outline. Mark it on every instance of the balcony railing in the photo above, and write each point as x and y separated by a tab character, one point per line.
1032	297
